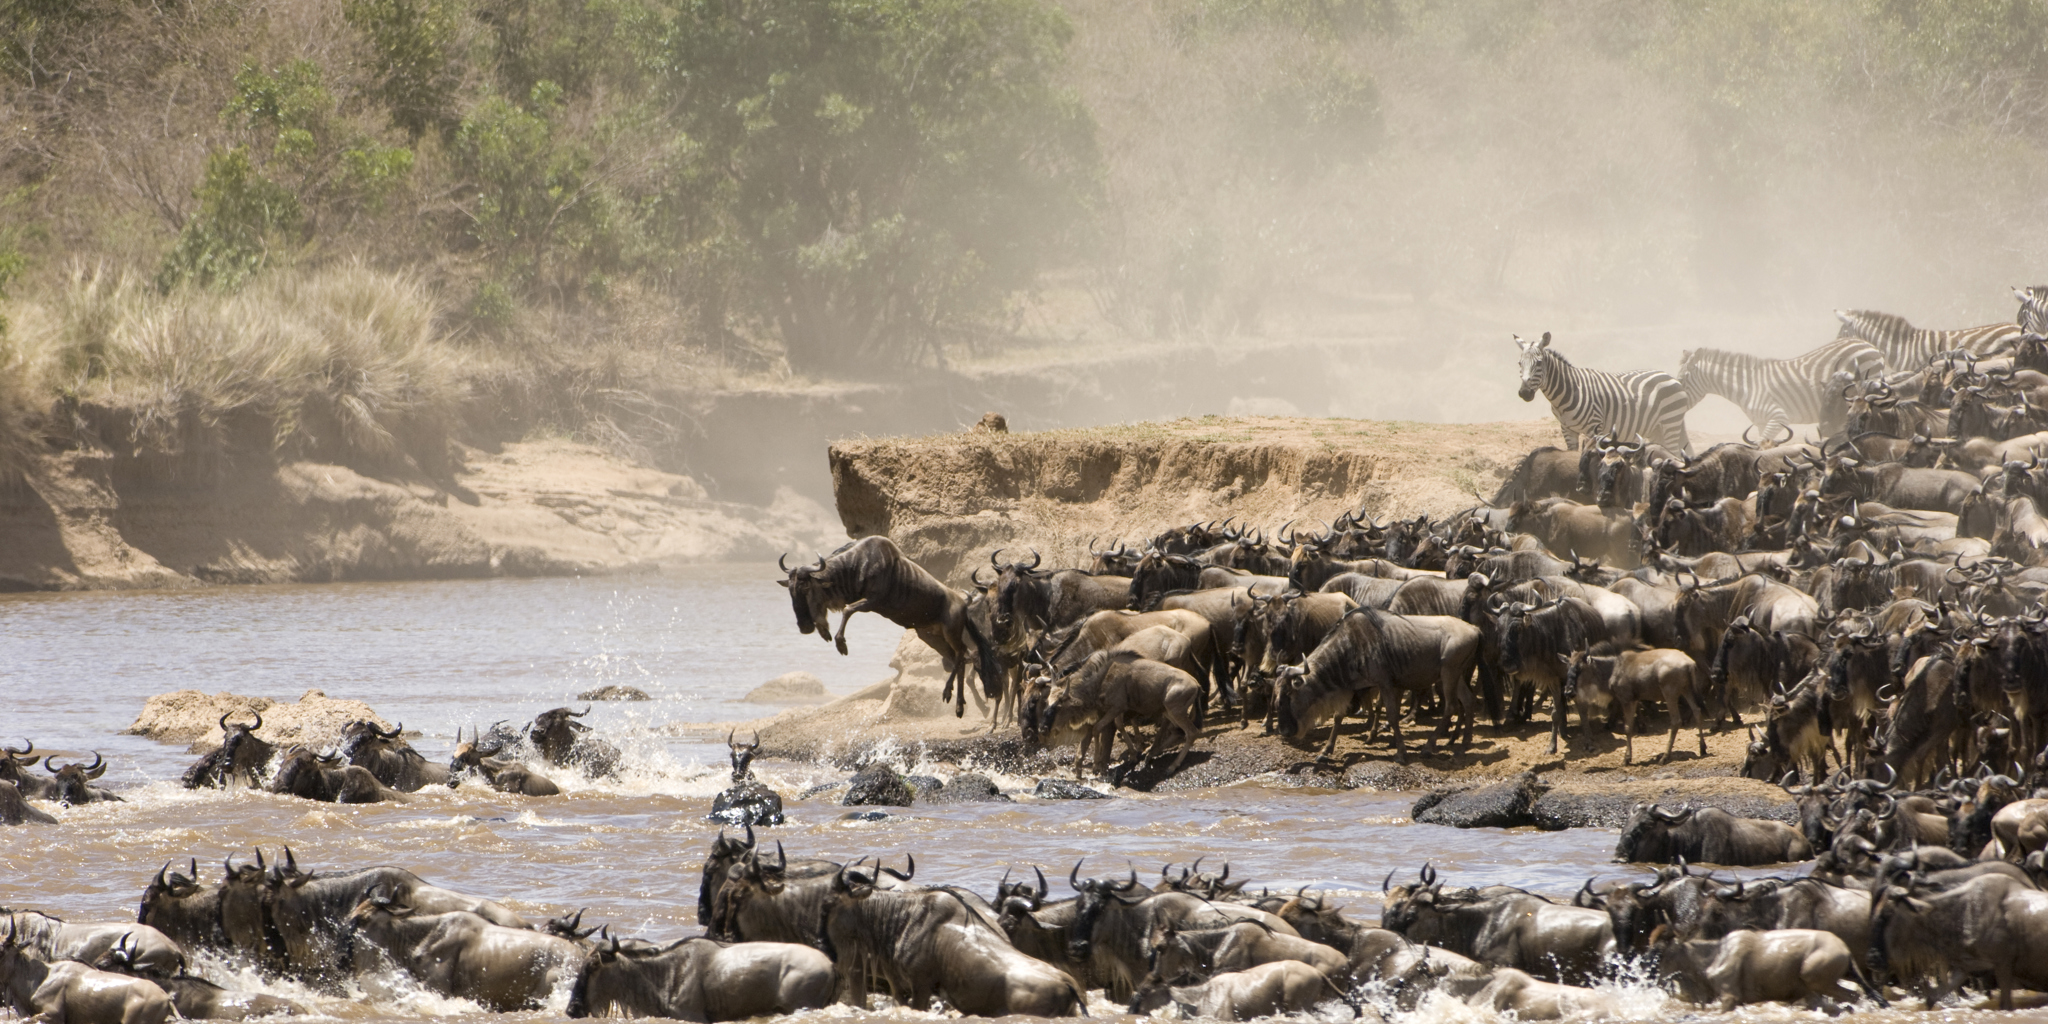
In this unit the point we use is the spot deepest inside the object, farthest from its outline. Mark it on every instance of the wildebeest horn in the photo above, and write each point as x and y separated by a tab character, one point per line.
1042	887
975	577
782	859
1035	559
27	748
1074	876
577	714
1387	883
392	735
993	556
160	883
1428	874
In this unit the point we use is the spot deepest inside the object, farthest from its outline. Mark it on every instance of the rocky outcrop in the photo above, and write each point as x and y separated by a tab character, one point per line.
949	500
1497	805
789	688
1581	803
878	785
315	720
614	692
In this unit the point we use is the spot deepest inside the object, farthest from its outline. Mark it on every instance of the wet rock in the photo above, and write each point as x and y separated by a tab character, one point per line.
1386	775
864	816
613	692
749	803
878	784
925	783
316	720
790	688
1066	789
967	788
820	789
1584	804
1499	805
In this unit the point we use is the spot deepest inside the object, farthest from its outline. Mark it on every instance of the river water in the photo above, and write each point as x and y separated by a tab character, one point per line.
75	670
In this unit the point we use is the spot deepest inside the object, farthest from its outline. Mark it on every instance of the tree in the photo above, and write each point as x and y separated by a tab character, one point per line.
879	173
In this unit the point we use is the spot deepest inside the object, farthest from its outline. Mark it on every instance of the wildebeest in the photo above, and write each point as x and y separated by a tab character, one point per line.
15	810
460	954
242	758
1707	835
1114	922
391	760
14	765
1991	925
309	912
697	979
322	777
748	800
52	938
1509	928
74	782
1268	990
1186	956
1115	690
185	911
1027	598
195	998
873	575
1782	965
566	743
70	992
1509	991
502	774
932	942
1600	676
1392	655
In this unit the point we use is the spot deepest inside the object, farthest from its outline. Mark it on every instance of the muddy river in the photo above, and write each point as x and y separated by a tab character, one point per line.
75	669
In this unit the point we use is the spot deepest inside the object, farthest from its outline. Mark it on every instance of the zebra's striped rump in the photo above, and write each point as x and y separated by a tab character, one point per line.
1775	393
1907	348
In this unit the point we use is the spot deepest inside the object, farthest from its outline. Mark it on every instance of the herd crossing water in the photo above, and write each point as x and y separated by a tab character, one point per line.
447	656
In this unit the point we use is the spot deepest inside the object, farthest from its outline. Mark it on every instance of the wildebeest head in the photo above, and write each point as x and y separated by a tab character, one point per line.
470	753
1018	898
168	890
12	761
808	589
243	754
1643	839
74	781
554	732
1291	701
361	738
1532	366
742	755
724	854
1011	579
1093	895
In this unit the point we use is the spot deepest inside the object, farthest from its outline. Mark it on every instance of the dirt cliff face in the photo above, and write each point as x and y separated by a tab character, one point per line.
949	500
532	508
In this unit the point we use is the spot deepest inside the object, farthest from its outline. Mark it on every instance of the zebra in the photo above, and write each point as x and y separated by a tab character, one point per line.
1646	404
1908	349
2033	308
1779	392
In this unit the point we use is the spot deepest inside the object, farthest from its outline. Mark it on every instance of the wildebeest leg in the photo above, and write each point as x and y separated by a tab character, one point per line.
1391	700
1628	732
845	614
1557	716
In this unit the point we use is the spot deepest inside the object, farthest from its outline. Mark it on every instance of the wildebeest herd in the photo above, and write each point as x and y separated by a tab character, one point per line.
787	934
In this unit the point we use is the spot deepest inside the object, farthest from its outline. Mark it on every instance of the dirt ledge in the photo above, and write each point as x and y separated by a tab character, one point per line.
951	499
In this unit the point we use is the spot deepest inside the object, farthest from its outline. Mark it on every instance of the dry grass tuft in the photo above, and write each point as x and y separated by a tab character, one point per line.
345	364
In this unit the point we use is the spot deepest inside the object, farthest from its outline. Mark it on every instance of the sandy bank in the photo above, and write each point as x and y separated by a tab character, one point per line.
951	499
534	508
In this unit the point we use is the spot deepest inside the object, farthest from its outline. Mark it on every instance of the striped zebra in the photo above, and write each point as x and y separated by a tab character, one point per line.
1779	392
1649	404
2033	308
1908	349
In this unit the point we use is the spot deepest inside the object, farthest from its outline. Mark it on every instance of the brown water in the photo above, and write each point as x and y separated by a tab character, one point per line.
75	669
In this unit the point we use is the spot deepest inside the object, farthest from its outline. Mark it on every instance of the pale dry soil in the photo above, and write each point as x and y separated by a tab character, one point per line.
544	507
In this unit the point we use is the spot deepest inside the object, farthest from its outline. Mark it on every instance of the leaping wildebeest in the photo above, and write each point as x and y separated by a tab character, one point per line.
873	575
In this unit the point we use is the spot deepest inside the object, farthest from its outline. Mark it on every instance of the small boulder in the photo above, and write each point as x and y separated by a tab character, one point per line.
864	816
790	688
1066	789
1500	805
878	784
967	788
613	692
